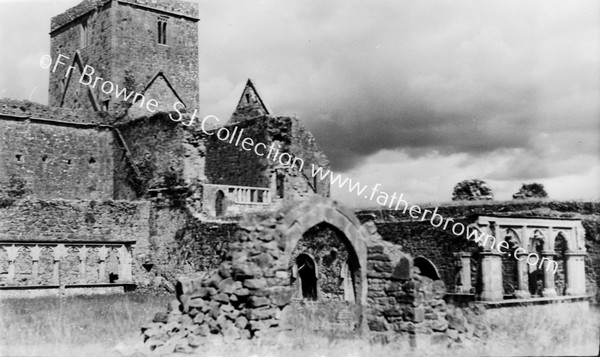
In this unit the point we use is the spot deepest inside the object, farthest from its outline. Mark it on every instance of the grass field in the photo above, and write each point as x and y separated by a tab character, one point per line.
109	326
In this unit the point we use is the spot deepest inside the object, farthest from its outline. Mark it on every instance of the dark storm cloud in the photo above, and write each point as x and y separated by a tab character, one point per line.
418	76
517	80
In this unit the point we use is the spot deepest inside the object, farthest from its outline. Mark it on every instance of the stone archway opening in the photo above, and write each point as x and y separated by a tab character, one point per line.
426	268
305	271
220	204
325	253
336	241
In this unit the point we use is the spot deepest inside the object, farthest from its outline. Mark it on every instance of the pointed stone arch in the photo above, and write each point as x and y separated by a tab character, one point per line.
427	268
308	214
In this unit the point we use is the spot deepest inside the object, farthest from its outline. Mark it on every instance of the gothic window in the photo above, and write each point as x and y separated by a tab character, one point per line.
162	31
84	35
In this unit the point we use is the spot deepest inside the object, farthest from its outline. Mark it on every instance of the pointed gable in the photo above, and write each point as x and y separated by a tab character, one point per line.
160	89
250	104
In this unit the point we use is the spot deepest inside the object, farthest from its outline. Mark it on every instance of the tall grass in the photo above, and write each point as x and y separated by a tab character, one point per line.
110	325
53	326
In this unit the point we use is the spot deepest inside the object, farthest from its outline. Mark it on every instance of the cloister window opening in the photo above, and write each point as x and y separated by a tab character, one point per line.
305	270
220	204
536	273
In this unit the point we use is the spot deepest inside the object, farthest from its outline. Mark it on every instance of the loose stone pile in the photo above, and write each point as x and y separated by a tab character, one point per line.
239	300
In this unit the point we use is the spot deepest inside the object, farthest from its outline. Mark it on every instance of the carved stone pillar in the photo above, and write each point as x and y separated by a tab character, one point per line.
491	276
102	254
522	291
575	272
11	251
35	258
82	256
59	252
465	272
547	268
125	264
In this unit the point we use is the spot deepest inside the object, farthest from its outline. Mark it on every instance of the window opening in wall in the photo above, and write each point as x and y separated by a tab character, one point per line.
248	98
220	204
105	105
92	160
279	184
18	157
83	34
69	162
162	31
316	184
44	158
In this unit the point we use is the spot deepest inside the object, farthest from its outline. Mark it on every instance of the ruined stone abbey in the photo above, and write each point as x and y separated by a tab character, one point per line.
98	194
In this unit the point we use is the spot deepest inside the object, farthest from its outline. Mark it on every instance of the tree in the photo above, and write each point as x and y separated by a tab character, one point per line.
531	190
472	190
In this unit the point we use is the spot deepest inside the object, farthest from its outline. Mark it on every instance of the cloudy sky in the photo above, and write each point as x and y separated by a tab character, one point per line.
416	95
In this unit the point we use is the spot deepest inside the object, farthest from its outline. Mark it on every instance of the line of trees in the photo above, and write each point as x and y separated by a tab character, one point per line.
476	190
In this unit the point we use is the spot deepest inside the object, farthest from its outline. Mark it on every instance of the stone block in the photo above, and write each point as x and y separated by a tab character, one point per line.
242	293
260	313
222	298
160	317
241	322
258	301
201	292
227	286
414	314
255	283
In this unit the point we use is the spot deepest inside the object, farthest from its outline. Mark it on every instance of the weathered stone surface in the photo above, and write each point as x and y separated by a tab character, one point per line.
222	298
255	283
260	313
258	301
241	322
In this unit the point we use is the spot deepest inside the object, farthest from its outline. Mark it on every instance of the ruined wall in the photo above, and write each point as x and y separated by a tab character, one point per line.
74	220
229	164
84	228
404	306
56	159
156	147
251	294
438	245
304	145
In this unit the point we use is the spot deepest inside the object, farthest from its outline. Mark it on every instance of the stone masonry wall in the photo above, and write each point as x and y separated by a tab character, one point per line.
228	164
55	160
64	221
115	31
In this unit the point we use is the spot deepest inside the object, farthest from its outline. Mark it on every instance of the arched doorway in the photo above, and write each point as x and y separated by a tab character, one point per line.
335	240
426	268
536	274
510	264
305	271
220	204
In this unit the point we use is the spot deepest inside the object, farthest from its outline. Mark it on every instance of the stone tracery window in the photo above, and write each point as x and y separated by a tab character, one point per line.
162	31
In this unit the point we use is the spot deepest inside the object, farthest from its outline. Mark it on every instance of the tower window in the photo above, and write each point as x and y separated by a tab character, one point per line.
162	31
279	184
83	38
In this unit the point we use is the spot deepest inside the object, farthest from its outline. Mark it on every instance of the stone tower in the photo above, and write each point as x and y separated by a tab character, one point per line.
146	46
